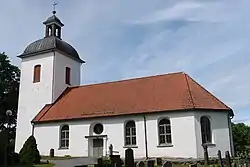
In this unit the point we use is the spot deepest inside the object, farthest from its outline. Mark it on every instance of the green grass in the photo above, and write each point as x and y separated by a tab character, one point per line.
38	165
56	158
44	165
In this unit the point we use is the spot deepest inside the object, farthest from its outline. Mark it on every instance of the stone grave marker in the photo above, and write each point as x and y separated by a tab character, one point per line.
167	164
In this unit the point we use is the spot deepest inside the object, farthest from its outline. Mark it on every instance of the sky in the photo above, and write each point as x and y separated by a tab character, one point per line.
207	39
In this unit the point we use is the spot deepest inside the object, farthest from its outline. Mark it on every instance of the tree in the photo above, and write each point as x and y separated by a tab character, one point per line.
29	154
9	88
241	136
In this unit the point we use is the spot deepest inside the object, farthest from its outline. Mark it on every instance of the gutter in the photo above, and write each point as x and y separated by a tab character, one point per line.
146	137
230	117
33	128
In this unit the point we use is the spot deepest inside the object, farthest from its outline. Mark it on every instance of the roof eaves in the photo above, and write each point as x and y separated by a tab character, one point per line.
36	118
210	94
60	97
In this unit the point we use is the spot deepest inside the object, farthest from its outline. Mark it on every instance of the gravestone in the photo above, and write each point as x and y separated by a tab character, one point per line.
115	159
150	163
141	164
206	158
167	164
159	161
193	165
129	158
220	159
110	149
99	162
228	159
52	152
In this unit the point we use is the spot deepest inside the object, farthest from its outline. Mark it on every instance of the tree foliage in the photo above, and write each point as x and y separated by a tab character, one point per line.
29	154
9	87
241	136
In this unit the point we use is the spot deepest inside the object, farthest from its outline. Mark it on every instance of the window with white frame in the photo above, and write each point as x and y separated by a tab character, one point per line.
130	133
164	128
64	142
206	134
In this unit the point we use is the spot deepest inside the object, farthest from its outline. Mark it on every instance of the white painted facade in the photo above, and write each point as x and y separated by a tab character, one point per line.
185	128
33	96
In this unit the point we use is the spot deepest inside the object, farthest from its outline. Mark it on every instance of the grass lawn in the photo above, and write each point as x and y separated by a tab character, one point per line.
39	165
44	165
56	158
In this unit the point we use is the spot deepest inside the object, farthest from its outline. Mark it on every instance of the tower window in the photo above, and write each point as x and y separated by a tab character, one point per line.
37	73
67	76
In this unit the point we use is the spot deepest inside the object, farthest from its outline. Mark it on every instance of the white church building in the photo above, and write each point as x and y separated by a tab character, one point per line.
167	115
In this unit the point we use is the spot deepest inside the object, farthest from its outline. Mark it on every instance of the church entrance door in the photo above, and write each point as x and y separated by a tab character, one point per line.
97	147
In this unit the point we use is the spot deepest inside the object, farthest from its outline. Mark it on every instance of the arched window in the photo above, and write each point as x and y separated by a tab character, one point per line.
130	133
37	73
164	129
67	75
64	142
206	134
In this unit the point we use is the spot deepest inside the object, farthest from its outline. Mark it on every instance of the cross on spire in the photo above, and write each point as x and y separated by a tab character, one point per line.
54	7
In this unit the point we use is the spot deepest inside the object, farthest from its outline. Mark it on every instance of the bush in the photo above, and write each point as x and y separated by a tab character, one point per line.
29	154
13	158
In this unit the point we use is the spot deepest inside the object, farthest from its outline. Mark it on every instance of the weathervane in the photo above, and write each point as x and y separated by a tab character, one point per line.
54	7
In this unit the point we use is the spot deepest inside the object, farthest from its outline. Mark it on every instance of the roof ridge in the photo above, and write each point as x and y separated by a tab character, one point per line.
189	91
209	93
130	79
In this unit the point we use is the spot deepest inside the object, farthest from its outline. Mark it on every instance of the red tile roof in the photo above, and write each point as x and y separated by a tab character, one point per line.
169	92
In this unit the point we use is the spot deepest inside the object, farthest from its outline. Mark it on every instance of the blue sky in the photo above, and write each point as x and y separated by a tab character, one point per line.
207	39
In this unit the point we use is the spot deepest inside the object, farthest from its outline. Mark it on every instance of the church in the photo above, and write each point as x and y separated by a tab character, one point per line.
167	115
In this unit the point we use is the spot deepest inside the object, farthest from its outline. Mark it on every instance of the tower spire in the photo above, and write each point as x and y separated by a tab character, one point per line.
53	24
54	7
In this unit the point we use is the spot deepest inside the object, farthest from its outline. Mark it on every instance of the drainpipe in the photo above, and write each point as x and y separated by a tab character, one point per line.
33	127
231	135
145	134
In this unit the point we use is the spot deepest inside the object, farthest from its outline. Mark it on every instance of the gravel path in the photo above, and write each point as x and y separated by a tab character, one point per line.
74	162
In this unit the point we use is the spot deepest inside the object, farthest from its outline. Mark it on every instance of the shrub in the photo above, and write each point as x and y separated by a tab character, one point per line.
29	154
13	158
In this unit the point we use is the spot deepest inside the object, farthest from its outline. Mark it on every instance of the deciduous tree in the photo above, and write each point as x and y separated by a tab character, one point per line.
9	87
241	136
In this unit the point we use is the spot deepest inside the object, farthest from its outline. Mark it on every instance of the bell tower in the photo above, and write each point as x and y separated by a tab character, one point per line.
53	26
48	66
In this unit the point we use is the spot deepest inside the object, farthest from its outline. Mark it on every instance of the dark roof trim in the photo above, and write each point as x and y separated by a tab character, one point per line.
51	105
50	50
138	114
